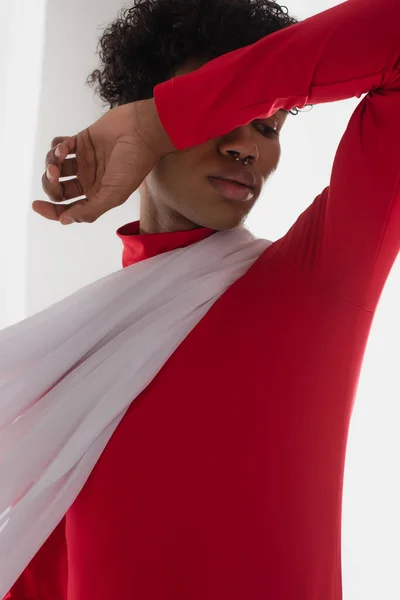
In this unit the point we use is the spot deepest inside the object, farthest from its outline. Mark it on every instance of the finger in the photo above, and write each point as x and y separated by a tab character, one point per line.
50	179
124	174
54	159
69	167
71	189
58	156
53	212
59	152
58	190
63	147
57	165
51	185
69	141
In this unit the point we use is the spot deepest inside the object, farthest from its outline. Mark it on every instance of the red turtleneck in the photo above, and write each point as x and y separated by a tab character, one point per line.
224	479
139	247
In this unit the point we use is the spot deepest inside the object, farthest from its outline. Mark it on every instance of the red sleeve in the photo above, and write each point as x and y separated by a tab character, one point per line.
349	237
45	578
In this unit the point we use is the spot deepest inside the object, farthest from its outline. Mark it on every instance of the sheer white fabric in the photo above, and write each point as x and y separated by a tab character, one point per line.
69	373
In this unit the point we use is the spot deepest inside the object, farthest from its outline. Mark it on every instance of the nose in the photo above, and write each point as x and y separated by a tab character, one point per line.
239	142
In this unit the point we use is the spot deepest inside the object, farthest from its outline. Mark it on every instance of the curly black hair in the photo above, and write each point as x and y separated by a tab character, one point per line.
148	42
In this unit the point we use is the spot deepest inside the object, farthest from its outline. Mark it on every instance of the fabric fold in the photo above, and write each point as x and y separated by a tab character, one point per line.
69	373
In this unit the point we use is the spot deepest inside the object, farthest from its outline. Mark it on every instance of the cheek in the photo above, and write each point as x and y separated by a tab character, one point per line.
175	177
276	155
269	161
160	179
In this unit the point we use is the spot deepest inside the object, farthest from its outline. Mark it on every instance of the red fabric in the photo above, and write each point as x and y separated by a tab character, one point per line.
139	247
232	482
45	578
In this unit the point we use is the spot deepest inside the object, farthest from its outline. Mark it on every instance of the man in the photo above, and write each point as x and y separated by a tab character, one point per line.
233	483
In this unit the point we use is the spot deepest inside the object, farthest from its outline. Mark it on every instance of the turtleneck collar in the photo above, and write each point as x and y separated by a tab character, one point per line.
138	247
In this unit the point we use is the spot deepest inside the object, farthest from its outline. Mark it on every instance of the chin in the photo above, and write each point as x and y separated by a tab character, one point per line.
223	222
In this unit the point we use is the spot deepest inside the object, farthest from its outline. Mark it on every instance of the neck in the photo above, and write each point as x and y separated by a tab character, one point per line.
158	218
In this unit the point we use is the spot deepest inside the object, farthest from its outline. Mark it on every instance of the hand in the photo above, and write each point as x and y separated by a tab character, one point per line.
113	157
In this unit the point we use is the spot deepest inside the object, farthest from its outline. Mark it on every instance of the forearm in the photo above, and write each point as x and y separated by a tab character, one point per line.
342	52
150	127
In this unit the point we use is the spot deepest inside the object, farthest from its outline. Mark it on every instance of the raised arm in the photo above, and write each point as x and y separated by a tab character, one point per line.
349	236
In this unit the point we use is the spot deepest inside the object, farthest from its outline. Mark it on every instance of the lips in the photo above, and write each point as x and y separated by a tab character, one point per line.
244	178
232	190
237	182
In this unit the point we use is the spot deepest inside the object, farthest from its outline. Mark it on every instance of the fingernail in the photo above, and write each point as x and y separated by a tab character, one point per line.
67	221
48	174
57	151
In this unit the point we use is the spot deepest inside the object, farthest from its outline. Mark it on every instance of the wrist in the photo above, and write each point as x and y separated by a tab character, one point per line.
151	128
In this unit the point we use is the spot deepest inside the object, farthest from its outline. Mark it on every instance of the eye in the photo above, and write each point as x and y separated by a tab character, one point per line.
267	130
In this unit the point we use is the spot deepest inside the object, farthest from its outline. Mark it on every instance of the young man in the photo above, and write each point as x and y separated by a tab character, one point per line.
224	479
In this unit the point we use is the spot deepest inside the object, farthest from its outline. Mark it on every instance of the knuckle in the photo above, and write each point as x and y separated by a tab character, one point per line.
50	190
45	182
50	158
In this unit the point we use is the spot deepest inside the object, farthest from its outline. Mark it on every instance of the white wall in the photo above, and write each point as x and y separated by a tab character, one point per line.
50	261
21	44
63	259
